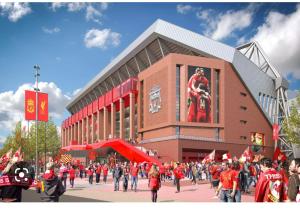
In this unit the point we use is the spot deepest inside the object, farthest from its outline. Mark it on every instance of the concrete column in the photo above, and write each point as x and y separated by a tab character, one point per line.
78	132
92	134
122	116
101	124
98	125
113	120
87	130
82	131
105	123
131	115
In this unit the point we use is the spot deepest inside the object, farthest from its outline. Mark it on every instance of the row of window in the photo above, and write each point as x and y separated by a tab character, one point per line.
268	104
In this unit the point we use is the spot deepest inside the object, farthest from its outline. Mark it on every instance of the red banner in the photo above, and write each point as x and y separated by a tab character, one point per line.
30	101
275	132
43	107
278	155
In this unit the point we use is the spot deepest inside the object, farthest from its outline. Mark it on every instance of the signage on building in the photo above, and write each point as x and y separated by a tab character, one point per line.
155	99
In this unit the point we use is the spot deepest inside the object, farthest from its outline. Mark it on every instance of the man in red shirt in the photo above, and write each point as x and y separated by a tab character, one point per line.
178	174
215	171
72	176
226	183
236	191
134	176
98	173
105	172
270	186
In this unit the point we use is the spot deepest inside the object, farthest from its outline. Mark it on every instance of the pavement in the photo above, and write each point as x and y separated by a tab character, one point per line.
84	192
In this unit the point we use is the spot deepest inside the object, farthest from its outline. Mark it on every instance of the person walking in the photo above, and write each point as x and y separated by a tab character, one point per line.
178	174
117	174
162	172
225	184
126	172
236	191
154	182
63	174
72	175
90	173
294	181
134	176
52	187
98	173
105	172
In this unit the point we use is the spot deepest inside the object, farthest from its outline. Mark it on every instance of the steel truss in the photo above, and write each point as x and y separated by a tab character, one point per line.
255	53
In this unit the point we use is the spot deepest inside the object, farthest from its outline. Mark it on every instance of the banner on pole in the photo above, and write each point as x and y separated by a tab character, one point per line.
42	107
30	102
275	132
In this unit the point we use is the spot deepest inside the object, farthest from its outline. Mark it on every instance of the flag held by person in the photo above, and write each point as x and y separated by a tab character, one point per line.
278	155
210	157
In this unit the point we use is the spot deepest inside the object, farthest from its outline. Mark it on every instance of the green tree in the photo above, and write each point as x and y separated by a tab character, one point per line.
291	125
48	140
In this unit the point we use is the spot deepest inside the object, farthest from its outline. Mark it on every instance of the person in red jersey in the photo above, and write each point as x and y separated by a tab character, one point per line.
162	172
226	183
178	174
215	171
197	80
236	191
72	176
154	182
105	172
134	176
270	186
98	173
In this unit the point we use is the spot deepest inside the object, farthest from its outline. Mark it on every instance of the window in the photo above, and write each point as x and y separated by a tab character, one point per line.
177	92
243	137
243	94
142	103
217	97
243	108
243	122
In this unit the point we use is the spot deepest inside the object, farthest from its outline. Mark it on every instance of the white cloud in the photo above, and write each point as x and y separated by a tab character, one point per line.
204	14
51	31
12	103
225	24
183	9
14	11
76	6
279	38
56	5
101	38
76	92
94	11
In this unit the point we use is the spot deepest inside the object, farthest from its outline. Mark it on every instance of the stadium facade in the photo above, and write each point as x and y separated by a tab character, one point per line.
181	95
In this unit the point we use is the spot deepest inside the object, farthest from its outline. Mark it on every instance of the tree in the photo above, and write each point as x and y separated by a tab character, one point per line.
291	125
27	141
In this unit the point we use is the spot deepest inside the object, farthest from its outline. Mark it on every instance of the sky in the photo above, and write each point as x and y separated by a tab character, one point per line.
73	42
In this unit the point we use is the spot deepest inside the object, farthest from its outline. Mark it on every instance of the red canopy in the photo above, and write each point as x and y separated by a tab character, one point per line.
125	149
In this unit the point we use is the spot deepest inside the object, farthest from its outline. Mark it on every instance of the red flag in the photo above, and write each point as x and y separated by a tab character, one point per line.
43	107
18	154
275	132
209	157
226	156
247	155
30	102
278	155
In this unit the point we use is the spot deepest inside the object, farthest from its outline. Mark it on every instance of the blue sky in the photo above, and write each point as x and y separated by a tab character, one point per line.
73	42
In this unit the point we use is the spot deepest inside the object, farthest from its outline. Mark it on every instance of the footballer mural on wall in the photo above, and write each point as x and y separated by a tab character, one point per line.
199	95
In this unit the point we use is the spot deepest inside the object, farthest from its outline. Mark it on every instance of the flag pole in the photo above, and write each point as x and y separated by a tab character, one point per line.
37	68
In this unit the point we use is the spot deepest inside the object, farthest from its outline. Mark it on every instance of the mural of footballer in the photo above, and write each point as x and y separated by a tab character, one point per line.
199	100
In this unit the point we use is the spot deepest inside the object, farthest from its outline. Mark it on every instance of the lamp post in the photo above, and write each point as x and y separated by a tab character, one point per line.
37	68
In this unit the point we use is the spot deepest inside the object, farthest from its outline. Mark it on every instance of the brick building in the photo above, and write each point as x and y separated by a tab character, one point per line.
151	94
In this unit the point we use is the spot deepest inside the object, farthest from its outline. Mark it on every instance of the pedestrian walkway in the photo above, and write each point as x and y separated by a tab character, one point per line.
104	192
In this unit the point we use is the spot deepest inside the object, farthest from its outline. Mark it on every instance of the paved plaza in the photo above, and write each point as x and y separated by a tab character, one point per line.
84	192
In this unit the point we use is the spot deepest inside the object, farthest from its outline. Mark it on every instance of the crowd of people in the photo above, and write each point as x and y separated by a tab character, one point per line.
269	181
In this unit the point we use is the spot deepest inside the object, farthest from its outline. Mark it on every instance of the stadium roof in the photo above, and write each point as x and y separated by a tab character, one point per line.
162	38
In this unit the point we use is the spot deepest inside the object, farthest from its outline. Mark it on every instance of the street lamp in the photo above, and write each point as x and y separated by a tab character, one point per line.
37	68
